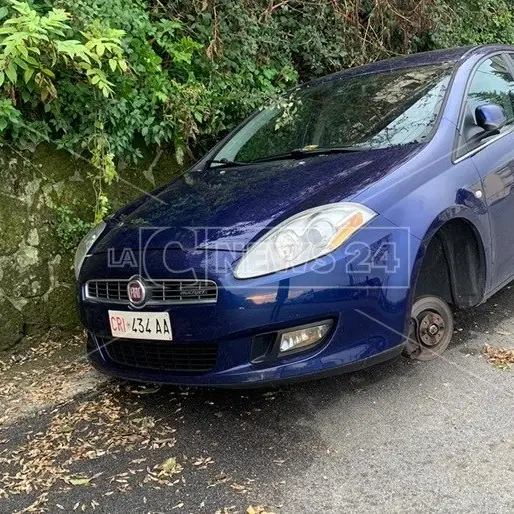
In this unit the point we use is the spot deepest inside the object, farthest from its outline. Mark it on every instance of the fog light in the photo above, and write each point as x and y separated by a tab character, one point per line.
304	337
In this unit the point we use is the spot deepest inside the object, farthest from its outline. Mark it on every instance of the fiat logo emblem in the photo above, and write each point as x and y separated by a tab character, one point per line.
136	291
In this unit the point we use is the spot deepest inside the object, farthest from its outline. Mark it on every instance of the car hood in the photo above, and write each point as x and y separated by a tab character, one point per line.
226	208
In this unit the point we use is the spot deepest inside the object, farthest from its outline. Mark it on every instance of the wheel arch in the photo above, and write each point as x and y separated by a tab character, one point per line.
452	263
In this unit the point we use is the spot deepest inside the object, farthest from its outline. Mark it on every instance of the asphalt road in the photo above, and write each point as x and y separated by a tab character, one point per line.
399	437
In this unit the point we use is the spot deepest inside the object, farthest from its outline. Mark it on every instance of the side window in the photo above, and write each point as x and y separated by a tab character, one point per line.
492	83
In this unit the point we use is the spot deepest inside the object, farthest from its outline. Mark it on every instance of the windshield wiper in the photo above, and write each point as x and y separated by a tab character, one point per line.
304	152
225	162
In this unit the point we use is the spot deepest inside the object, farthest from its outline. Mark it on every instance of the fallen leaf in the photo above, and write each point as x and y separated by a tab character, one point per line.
78	480
258	510
238	488
81	480
146	390
169	467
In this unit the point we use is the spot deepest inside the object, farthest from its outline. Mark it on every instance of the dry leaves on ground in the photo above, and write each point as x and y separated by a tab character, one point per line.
502	358
47	374
85	430
102	426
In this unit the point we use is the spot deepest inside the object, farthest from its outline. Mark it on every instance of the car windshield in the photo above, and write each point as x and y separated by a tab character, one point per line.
368	111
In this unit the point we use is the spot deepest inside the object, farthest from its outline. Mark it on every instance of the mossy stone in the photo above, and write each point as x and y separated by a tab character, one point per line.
11	325
35	271
58	165
62	308
35	316
13	224
63	269
25	275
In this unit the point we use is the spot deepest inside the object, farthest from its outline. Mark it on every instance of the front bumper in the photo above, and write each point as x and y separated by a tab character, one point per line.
368	306
241	377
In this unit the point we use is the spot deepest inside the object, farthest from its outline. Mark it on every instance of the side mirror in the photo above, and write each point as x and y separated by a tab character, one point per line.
490	117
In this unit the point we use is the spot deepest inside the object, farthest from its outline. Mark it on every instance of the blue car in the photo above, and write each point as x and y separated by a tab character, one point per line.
339	226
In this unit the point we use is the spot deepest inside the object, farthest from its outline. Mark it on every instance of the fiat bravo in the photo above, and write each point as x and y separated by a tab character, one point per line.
339	226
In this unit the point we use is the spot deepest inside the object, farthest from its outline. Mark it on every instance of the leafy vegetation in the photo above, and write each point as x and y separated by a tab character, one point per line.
69	229
106	78
474	22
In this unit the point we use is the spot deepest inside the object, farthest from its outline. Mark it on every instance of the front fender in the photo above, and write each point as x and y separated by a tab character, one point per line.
425	230
427	192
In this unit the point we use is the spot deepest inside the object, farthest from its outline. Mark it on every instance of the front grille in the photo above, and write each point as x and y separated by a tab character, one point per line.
157	355
108	290
172	291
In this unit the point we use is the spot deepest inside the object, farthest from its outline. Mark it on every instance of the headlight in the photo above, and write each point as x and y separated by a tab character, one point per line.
302	238
85	245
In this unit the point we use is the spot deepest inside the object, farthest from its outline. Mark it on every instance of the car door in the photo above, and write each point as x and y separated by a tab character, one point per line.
492	82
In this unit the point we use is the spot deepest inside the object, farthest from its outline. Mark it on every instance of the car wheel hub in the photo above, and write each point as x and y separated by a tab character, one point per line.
431	329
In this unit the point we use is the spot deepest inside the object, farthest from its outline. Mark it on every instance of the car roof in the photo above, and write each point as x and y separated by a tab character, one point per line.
450	55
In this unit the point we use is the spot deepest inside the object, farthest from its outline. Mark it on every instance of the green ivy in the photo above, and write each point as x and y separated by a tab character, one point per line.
69	229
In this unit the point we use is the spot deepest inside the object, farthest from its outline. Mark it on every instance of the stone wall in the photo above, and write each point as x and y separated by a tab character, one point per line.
36	277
